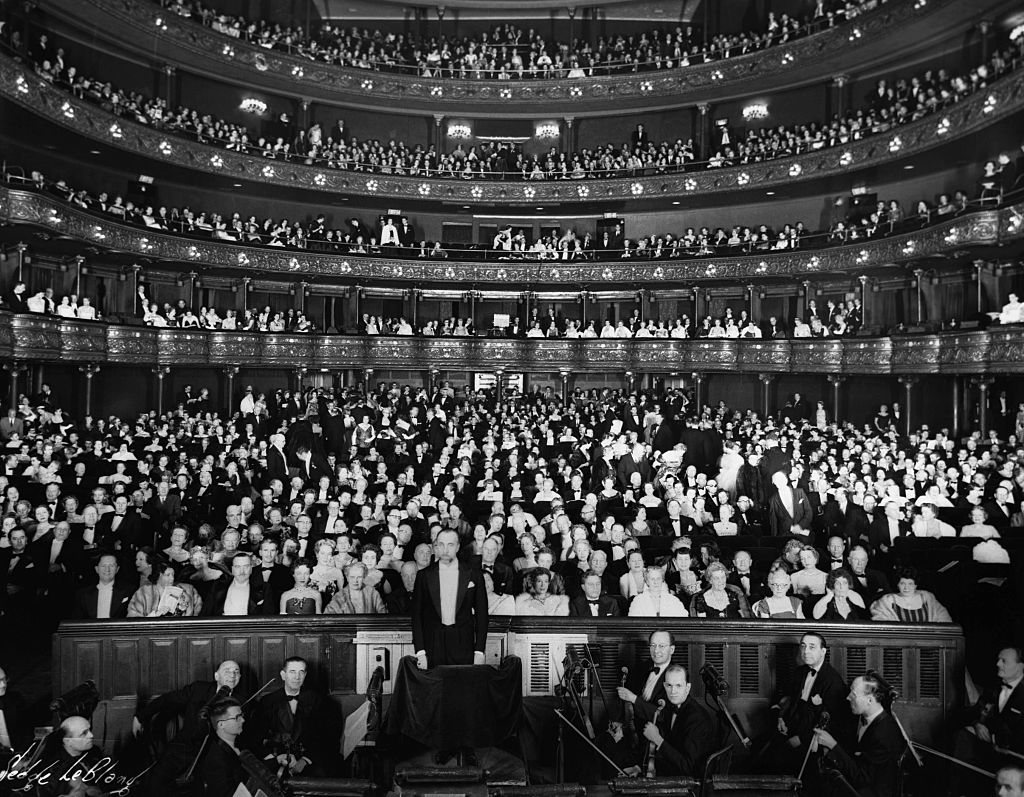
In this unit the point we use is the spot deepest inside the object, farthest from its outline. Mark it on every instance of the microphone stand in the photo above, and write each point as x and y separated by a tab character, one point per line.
952	760
744	739
583	736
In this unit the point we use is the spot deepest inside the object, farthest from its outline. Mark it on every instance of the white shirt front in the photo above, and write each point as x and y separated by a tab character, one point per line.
449	576
104	599
236	604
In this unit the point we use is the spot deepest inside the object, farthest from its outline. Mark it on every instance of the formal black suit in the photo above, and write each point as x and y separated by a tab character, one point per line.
627	466
305	725
643	710
878	532
186	703
874	586
129	536
17	721
277	466
607	606
87	598
800	716
851	524
689	737
871	764
457	643
780	518
756	582
280	578
220	771
260	603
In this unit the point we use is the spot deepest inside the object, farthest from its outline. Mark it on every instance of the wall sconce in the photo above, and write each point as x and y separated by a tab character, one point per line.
253	105
757	110
459	130
547	130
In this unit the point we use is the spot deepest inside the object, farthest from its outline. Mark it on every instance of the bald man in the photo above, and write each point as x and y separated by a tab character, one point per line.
1010	782
75	756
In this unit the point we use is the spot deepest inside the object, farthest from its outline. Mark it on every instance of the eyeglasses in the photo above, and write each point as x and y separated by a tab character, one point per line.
233	717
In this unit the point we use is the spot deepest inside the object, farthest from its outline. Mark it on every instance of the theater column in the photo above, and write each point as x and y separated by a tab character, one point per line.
698	397
15	370
89	371
984	28
630	381
229	390
367	380
766	393
983	383
839	84
160	374
908	383
499	386
704	130
957	403
836	380
565	384
438	137
432	376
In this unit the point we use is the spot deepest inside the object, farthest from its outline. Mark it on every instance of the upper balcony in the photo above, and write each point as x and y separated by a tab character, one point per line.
998	102
896	26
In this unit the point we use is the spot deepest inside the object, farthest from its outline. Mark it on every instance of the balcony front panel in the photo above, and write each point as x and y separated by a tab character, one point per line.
882	31
36	338
981	228
1001	100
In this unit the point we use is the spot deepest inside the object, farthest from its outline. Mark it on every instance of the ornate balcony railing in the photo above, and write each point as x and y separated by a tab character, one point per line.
31	337
135	26
982	228
999	101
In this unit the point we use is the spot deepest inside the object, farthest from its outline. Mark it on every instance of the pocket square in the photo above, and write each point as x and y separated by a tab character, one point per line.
470	585
1015	711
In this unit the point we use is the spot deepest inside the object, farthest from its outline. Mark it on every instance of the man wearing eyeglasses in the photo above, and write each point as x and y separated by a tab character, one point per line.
220	772
646	684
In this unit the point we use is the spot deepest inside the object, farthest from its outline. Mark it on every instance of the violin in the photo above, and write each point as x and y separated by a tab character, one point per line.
648	766
822	724
628	721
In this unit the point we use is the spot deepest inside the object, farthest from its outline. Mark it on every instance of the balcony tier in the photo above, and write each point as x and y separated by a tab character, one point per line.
40	338
1001	100
882	31
954	238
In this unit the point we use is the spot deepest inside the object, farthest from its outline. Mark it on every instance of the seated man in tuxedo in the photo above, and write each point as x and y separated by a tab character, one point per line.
592	603
869	583
870	764
15	729
193	704
241	596
108	599
292	723
684	735
815	688
746	579
996	721
646	685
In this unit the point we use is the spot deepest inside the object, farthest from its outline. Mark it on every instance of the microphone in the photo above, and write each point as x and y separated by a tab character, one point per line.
713	680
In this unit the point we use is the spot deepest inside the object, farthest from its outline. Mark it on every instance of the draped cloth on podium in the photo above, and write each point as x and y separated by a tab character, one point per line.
456	705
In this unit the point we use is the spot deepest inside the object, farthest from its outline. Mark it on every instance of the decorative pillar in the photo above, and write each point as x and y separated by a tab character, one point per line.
414	302
766	393
979	266
983	383
304	106
957	401
169	73
908	383
704	130
863	280
698	398
836	380
160	373
984	27
565	384
499	378
432	376
79	261
438	136
697	309
839	84
15	369
367	380
755	303
568	134
89	371
21	260
918	276
630	381
230	372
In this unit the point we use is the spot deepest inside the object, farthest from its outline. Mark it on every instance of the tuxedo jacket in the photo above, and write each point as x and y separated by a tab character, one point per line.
71	558
129	535
689	738
306	726
163	514
828	693
852	524
277	466
780	518
186	703
878	532
1007	726
260	601
643	710
758	587
877	585
17	720
470	628
607	606
87	600
280	579
220	771
871	765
